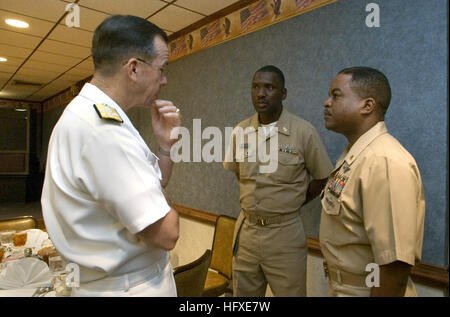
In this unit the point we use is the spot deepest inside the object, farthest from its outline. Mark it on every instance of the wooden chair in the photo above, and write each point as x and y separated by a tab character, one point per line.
218	279
190	278
18	223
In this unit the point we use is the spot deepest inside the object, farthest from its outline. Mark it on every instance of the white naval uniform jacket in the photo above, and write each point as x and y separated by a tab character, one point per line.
102	186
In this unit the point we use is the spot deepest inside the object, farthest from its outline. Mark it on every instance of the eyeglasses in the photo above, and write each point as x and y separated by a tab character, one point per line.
162	70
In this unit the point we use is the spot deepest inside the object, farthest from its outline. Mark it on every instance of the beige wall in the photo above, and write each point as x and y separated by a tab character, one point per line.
196	237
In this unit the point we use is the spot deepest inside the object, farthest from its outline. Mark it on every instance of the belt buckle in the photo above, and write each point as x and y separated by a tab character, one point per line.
262	222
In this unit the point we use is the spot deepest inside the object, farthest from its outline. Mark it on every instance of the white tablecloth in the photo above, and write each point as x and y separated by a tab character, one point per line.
23	292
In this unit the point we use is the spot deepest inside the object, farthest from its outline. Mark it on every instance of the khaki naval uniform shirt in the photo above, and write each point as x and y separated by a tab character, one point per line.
273	253
300	153
373	205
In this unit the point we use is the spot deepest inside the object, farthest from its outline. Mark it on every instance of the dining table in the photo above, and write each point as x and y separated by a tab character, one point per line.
28	268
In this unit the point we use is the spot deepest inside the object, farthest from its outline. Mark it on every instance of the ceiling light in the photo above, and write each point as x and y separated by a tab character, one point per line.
2	59
17	23
20	109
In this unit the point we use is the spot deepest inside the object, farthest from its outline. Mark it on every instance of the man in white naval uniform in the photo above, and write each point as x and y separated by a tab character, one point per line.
103	202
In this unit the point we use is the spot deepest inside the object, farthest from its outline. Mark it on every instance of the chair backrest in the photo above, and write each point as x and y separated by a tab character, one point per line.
222	253
190	278
18	223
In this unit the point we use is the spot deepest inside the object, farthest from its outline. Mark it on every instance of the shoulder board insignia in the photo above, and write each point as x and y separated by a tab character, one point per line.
106	112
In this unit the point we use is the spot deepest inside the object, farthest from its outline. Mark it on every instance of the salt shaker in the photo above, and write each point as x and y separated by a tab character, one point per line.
28	252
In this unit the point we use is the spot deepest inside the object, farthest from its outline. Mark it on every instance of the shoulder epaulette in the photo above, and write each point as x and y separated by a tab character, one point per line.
106	112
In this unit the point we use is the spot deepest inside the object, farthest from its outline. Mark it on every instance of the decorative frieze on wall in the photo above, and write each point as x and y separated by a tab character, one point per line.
64	97
246	20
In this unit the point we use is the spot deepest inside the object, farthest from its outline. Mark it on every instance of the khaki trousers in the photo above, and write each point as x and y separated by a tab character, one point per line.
274	254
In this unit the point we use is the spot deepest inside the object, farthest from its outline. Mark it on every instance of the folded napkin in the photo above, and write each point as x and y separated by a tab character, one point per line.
25	273
35	238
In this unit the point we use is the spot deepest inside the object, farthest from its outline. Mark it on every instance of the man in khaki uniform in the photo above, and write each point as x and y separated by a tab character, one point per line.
372	221
270	243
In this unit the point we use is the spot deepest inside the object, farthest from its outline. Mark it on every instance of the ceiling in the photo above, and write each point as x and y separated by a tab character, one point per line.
49	56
